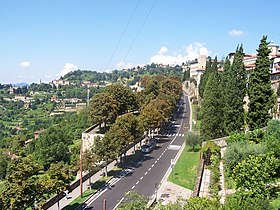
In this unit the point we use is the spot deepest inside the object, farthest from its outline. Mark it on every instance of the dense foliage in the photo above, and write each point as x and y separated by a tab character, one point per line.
260	93
212	125
234	80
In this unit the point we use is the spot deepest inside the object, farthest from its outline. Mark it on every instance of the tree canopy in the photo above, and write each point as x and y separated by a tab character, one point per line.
260	93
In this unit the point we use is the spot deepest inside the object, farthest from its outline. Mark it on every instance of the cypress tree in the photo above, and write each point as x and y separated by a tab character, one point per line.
260	93
204	77
211	107
234	92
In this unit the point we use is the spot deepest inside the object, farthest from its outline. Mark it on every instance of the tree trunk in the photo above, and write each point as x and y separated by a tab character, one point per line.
89	179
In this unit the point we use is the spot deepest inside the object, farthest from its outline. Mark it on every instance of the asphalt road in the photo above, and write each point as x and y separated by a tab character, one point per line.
147	171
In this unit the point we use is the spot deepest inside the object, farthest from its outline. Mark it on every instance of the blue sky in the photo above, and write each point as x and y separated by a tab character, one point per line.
43	39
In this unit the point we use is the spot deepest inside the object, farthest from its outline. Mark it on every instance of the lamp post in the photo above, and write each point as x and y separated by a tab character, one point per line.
156	187
172	166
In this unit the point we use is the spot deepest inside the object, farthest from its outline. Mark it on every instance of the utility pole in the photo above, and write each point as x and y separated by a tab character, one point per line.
104	204
81	168
81	155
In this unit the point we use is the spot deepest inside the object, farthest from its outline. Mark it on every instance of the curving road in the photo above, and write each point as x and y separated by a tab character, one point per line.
148	170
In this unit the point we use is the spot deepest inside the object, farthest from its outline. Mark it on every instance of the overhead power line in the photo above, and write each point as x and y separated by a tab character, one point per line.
140	30
125	29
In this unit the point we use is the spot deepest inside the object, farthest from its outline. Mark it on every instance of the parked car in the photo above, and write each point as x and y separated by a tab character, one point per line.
152	144
146	148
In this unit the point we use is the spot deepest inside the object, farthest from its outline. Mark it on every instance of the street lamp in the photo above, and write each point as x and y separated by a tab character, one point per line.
172	167
156	187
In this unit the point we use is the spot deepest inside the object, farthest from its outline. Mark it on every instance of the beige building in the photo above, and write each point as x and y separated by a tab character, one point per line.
197	67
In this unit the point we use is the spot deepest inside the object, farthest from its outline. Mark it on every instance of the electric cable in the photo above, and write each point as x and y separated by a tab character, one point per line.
125	29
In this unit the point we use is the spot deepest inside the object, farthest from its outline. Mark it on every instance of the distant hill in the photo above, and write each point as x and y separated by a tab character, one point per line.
131	76
21	84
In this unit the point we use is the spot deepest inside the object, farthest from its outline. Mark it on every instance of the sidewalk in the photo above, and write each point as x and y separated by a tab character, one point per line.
76	192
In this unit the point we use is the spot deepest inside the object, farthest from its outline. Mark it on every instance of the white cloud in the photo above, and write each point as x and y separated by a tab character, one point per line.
122	65
190	52
163	50
24	64
235	32
68	67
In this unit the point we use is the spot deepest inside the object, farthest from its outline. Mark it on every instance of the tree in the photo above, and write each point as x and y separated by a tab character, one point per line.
192	139
124	96
278	91
272	137
133	201
254	173
204	77
103	108
151	117
59	178
3	165
22	188
52	146
132	124
186	75
260	93
119	139
211	107
104	149
239	151
234	92
90	160
238	201
202	203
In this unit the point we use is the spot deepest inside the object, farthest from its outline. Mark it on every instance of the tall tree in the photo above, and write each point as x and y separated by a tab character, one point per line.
103	108
260	93
124	96
211	107
234	92
204	77
52	146
22	187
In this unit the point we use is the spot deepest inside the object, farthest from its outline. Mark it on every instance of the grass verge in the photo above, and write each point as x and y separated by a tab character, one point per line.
184	172
195	113
95	186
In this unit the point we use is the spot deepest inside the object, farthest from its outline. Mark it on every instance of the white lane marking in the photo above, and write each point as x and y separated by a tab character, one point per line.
133	187
174	147
149	169
158	157
137	183
183	135
118	203
141	178
153	165
156	161
146	173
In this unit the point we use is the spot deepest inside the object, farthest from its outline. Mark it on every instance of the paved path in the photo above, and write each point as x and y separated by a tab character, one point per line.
172	192
205	183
